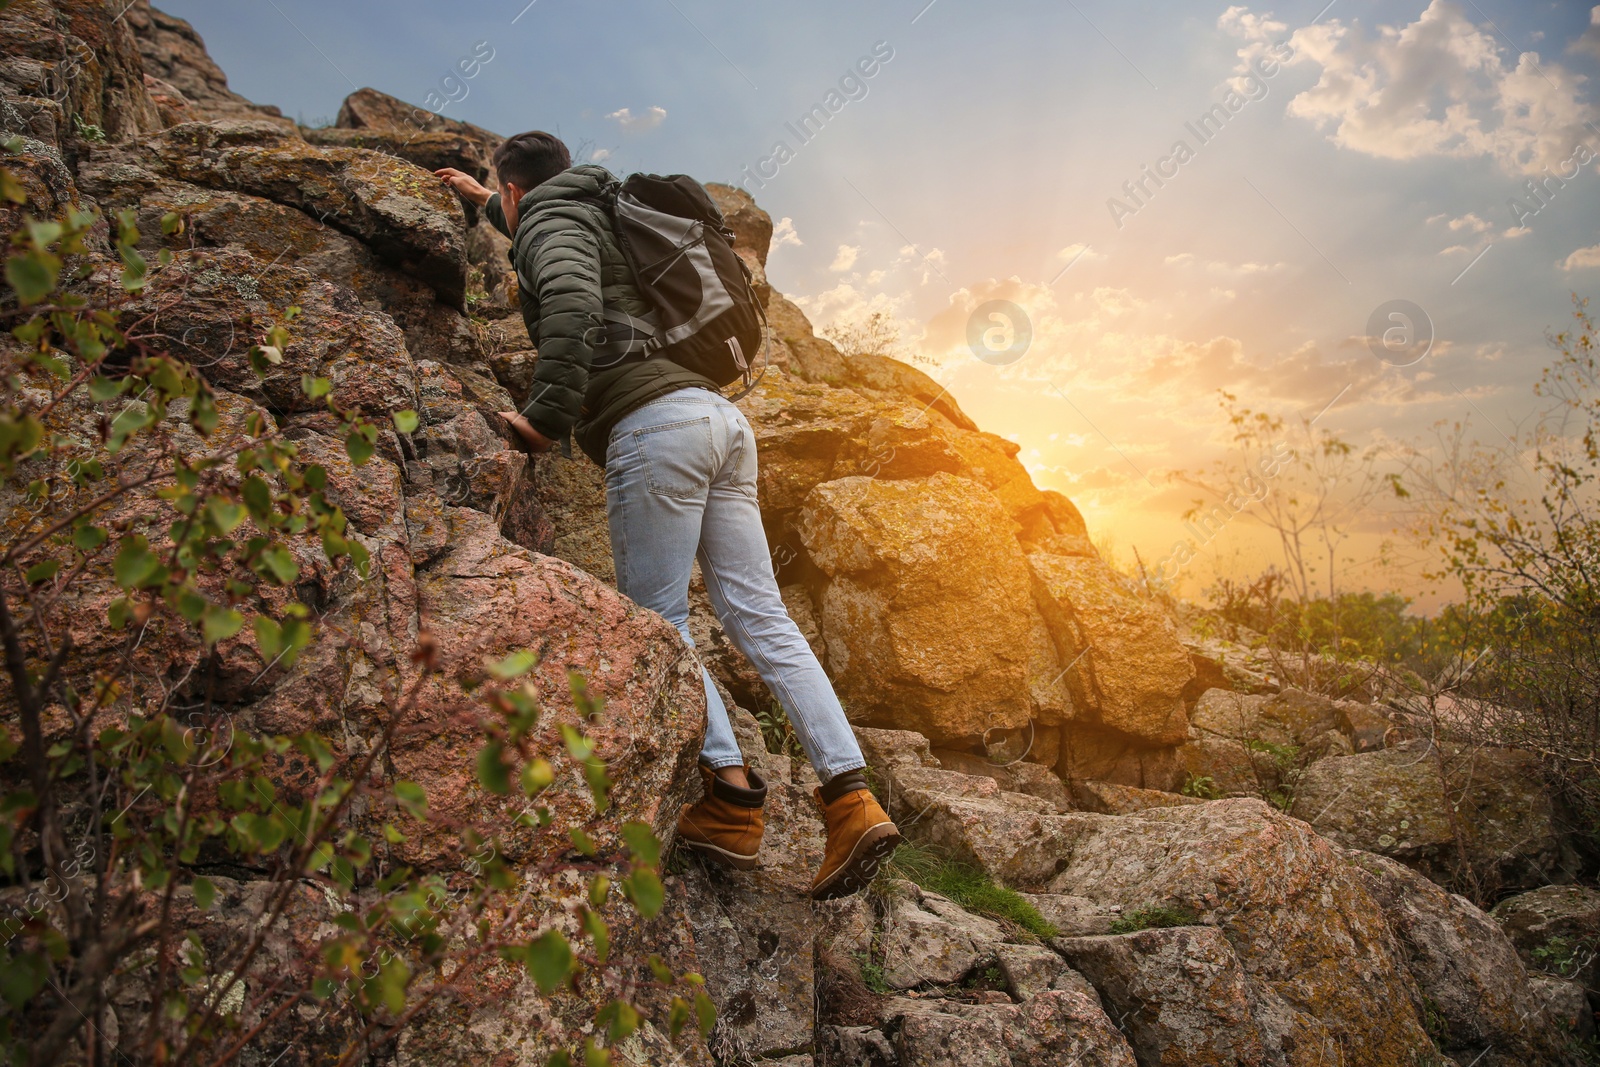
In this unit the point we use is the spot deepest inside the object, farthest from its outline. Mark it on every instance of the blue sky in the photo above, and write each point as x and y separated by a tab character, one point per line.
1375	163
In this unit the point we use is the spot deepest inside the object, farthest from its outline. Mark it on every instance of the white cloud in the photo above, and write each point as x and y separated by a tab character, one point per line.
600	155
927	264
784	233
1469	221
1441	86
1079	252
845	303
1217	266
1260	34
1583	257
845	258
1589	41
1513	232
1472	228
632	123
1117	301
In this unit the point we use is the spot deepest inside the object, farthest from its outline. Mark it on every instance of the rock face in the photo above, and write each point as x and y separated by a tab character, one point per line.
755	930
72	69
374	255
1180	991
1472	986
1131	671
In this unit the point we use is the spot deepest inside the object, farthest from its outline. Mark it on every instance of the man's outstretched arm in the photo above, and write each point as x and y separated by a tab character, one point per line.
471	190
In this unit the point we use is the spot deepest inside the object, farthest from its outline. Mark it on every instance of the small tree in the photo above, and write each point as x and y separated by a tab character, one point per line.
1308	487
136	509
1516	524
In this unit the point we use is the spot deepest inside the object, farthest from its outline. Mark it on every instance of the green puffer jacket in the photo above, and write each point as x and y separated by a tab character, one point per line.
571	267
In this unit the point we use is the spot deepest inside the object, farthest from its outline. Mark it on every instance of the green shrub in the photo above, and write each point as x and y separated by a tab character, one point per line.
872	974
1564	956
777	732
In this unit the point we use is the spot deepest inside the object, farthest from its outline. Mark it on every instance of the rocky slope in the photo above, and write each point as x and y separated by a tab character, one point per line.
1025	710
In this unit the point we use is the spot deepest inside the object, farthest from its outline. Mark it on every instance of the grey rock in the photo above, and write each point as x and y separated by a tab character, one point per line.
1028	969
929	940
854	1046
1465	967
1566	1005
1179	994
1489	803
1072	916
1050	1029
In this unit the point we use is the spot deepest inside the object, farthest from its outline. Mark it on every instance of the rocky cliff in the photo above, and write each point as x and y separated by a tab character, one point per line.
1028	715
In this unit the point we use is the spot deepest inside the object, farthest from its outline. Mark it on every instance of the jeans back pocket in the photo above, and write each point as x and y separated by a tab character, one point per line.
677	457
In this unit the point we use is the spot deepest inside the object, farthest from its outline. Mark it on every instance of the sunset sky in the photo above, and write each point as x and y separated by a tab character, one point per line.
1356	153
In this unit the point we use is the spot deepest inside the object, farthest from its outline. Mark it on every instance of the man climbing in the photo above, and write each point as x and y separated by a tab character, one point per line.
680	462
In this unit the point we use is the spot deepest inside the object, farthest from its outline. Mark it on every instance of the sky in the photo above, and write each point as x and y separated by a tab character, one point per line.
1085	218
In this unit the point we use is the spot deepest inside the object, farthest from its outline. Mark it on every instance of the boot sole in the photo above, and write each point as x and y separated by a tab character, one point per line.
855	873
736	860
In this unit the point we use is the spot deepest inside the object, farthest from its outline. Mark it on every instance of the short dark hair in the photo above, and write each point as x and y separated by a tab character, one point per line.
531	159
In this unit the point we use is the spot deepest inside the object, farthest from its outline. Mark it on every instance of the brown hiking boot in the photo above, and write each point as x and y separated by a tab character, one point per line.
726	824
860	837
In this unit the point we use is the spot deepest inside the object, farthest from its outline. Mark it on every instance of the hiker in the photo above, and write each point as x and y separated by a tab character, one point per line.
680	462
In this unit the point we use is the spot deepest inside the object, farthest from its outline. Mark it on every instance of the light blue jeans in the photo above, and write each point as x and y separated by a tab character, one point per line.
681	484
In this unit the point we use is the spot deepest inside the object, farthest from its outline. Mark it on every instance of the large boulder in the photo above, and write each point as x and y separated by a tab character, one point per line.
1287	718
929	940
430	150
1129	669
801	430
751	226
277	235
1056	1027
875	374
926	610
1473	990
1439	808
215	304
370	110
1180	995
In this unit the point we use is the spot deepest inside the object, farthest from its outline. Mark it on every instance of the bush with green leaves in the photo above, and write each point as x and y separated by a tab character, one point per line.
1202	786
134	507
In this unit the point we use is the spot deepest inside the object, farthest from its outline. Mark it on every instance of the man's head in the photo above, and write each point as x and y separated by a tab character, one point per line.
525	161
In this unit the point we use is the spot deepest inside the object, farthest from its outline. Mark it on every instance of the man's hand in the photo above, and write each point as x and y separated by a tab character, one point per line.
524	429
465	185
